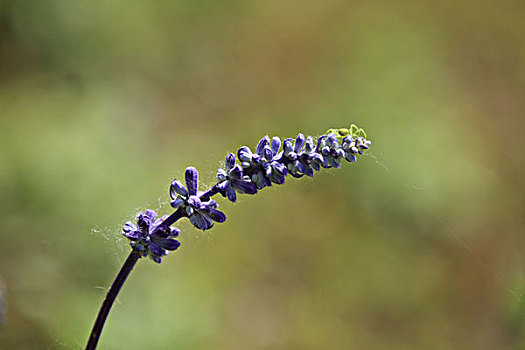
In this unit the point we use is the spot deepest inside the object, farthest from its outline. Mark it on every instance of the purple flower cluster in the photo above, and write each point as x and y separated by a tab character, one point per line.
270	163
201	213
150	236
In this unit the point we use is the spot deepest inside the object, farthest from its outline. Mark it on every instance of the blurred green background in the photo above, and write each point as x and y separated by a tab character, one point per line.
420	245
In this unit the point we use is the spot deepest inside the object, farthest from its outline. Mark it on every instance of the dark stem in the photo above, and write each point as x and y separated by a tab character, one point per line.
176	215
110	298
210	193
124	273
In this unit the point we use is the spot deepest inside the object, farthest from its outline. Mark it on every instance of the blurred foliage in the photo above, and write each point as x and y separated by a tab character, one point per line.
419	245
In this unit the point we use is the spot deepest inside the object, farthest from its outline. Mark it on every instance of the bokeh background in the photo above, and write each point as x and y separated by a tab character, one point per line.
419	245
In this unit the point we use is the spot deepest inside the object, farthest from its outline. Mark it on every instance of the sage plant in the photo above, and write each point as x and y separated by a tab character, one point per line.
248	173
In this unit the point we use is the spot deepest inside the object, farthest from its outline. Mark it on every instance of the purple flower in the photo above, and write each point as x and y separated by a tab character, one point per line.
328	147
352	147
263	166
310	158
150	237
363	144
300	155
349	146
232	179
202	214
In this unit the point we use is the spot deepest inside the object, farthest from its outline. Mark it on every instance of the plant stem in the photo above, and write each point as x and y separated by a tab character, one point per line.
176	215
110	298
210	193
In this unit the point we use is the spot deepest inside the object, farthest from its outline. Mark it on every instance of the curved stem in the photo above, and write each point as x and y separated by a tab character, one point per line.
210	193
124	273
110	298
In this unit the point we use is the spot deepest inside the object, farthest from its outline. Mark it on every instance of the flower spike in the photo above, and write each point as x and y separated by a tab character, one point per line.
271	162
